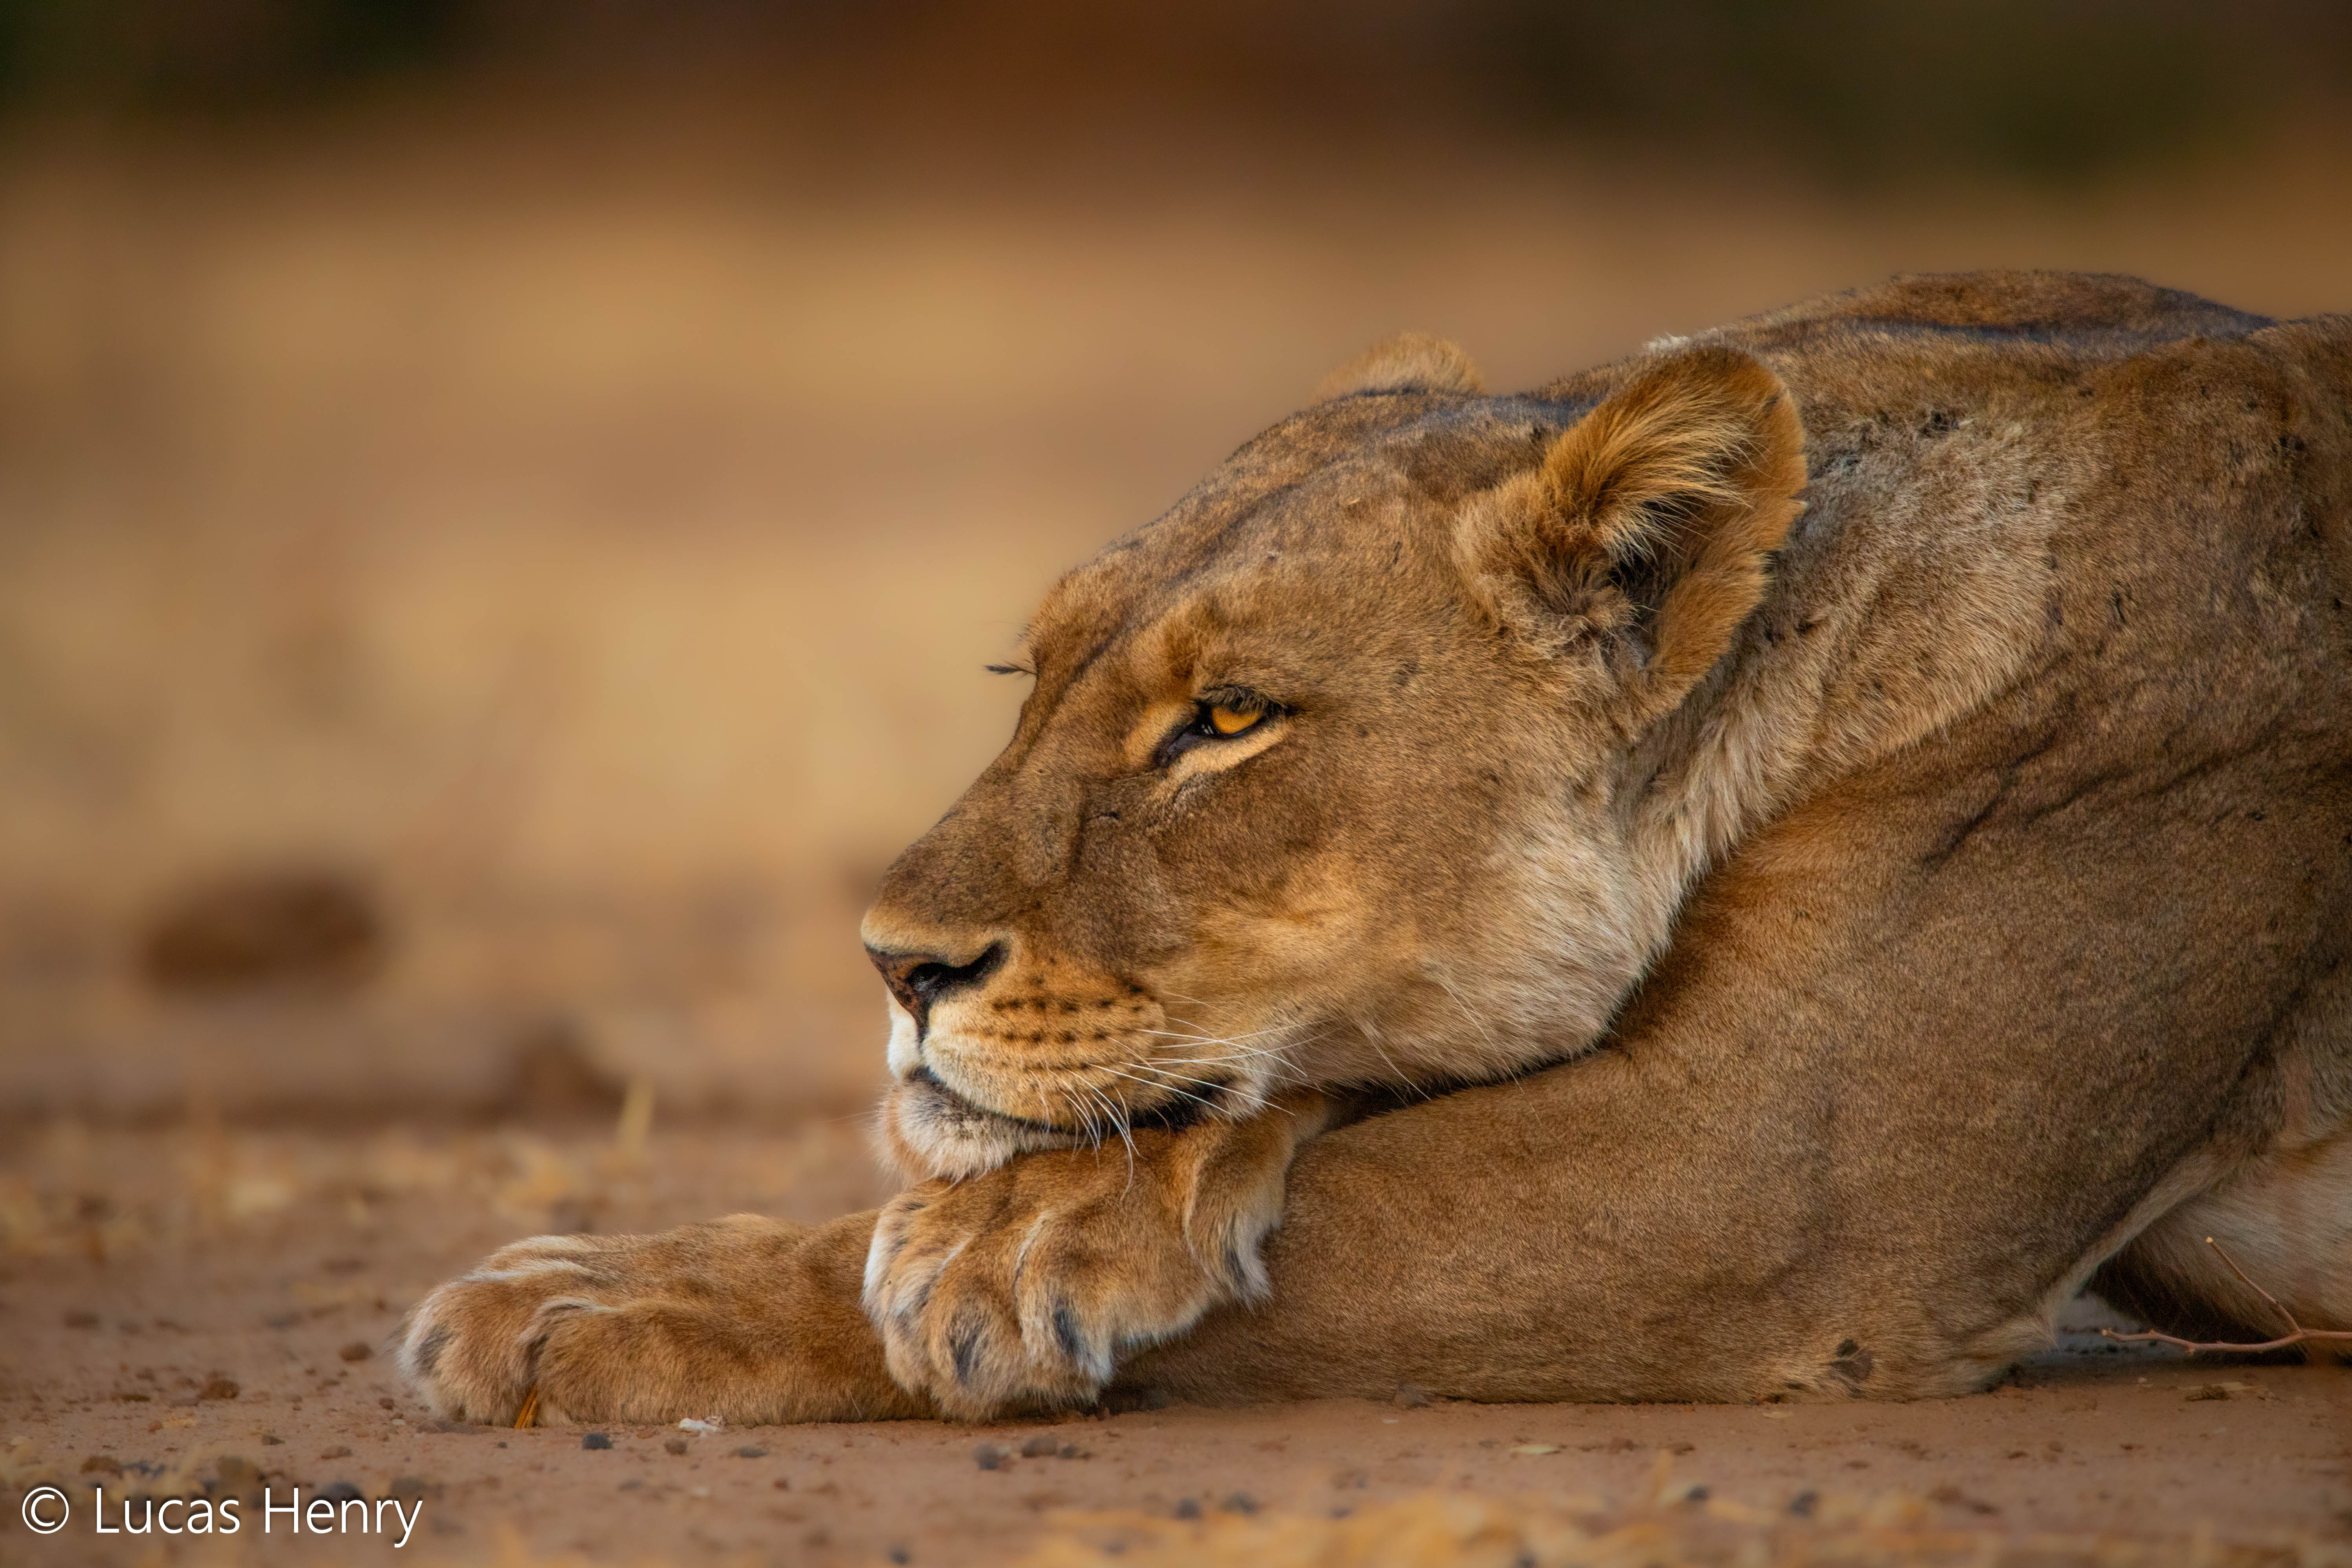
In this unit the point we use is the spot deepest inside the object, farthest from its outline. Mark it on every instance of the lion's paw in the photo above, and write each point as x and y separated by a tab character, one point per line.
1023	1288
735	1318
471	1348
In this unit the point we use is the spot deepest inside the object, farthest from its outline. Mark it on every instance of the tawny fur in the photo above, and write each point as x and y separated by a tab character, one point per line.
1410	362
1867	792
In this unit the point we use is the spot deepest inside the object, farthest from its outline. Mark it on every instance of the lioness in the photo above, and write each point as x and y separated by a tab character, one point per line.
1752	872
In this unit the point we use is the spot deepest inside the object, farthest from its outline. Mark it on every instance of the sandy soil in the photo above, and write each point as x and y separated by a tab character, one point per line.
188	1307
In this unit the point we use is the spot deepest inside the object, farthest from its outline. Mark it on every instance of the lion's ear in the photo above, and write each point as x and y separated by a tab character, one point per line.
1410	362
1643	537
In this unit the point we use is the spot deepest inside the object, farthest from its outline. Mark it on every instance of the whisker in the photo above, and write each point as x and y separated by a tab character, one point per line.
1251	1050
1108	1118
1118	1125
1229	1040
1242	1052
1476	1022
1170	1087
1095	1125
1085	1116
1277	1072
1226	1086
1374	1040
1268	1053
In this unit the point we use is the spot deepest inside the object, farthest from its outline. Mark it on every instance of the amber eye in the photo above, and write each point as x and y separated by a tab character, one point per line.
1227	715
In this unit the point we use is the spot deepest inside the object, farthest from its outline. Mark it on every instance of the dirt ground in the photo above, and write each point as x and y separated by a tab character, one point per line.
192	1310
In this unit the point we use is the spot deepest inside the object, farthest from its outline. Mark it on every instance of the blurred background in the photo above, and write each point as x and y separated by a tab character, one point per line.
504	504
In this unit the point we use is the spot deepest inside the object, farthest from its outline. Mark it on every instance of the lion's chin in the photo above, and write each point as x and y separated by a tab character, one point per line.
928	1129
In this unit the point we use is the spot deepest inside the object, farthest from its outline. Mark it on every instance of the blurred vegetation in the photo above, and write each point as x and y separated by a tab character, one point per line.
2032	88
2025	88
158	54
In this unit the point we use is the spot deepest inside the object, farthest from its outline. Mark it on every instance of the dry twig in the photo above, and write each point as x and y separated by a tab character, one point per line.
2298	1334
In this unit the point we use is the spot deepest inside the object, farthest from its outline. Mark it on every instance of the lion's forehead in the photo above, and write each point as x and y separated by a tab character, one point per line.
1327	517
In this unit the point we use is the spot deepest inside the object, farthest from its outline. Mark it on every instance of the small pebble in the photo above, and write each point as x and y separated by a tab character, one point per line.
751	1451
1411	1396
1070	1451
900	1554
780	1484
596	1440
384	1404
356	1350
1802	1505
989	1456
342	1492
339	1451
218	1388
1039	1448
1188	1507
632	1484
675	1445
272	1440
1240	1503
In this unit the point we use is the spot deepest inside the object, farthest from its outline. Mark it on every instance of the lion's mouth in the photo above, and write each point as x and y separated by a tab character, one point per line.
933	1130
934	1126
949	1105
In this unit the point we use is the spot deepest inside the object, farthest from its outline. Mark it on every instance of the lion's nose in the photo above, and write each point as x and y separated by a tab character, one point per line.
920	979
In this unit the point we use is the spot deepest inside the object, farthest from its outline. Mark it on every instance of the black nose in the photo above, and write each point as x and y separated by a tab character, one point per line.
920	979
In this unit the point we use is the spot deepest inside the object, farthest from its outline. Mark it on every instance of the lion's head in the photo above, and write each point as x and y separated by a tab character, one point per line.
1347	770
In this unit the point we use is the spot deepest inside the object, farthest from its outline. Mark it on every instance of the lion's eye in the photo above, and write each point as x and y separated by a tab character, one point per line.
1225	716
